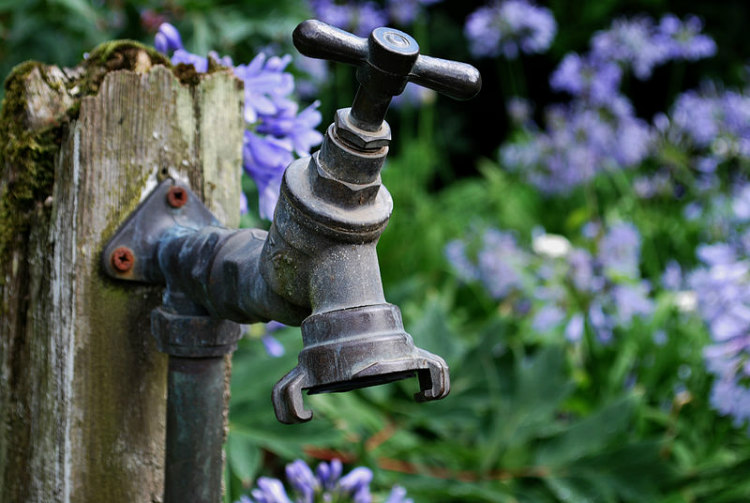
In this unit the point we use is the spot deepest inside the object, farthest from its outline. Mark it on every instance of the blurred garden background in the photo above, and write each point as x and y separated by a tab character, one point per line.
574	242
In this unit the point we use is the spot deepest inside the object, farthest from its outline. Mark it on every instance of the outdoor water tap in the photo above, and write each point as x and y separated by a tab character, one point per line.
317	265
329	218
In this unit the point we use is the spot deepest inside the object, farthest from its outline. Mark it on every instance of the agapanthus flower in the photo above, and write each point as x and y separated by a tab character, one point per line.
619	250
567	287
632	43
264	332
276	130
722	289
404	12
501	263
398	495
326	484
579	142
509	27
594	80
632	299
712	124
685	40
640	44
360	17
267	86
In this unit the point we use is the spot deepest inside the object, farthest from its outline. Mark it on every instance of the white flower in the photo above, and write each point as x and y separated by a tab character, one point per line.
686	301
551	245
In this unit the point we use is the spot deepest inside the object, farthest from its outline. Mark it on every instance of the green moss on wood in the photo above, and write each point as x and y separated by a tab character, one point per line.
26	160
27	157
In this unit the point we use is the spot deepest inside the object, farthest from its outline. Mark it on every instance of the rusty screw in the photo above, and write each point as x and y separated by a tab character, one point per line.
122	259
177	197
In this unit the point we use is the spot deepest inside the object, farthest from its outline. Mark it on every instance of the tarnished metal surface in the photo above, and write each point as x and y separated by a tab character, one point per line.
147	227
195	426
355	348
385	61
316	266
193	336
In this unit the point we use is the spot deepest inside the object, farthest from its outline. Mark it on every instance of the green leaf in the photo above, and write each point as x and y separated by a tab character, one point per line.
589	435
243	457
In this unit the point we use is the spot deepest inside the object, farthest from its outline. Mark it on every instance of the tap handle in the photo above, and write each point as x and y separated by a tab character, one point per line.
385	62
319	40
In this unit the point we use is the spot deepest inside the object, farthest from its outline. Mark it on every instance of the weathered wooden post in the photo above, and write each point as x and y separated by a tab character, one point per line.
82	387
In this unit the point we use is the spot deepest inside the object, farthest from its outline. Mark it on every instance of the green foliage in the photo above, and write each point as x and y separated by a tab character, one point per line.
530	418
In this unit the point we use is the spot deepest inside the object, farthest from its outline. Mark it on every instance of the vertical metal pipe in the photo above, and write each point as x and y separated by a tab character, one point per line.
195	430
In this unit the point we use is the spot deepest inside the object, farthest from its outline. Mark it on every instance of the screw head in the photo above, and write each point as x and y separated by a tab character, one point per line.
177	196
122	259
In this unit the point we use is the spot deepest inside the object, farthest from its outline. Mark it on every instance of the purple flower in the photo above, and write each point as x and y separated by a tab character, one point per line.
405	12
640	44
244	208
501	263
713	125
580	141
619	250
398	495
574	328
547	318
741	203
359	18
596	81
270	491
685	39
508	27
632	300
455	252
722	288
167	39
582	272
718	254
325	484
265	158
303	480
602	323
273	347
297	127
631	42
329	473
277	130
672	279
355	480
414	95
698	117
267	86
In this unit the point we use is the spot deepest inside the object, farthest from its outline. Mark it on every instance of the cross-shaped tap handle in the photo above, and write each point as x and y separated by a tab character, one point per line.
385	62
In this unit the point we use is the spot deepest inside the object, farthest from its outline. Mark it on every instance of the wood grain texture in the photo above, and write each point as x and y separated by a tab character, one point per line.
83	387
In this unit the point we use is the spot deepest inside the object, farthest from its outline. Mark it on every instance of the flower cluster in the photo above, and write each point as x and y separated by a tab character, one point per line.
361	17
712	125
326	484
277	130
560	286
580	141
641	44
722	286
509	26
598	129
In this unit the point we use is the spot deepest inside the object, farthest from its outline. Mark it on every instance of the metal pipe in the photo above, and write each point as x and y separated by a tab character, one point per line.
197	345
195	430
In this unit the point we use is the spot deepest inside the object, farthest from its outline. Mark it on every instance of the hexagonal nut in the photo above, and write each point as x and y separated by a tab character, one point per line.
360	138
193	336
340	192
